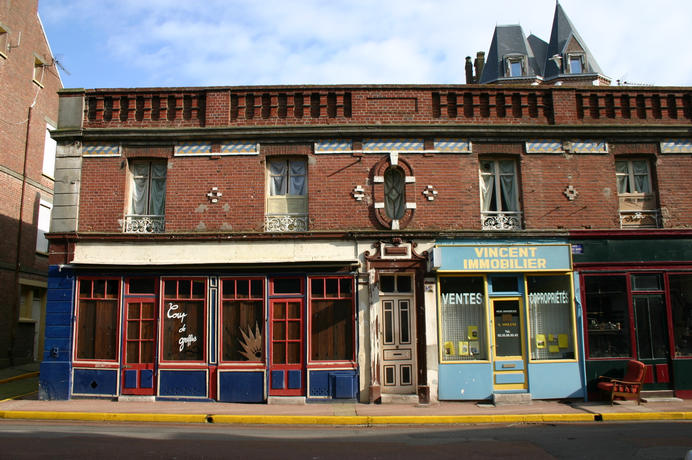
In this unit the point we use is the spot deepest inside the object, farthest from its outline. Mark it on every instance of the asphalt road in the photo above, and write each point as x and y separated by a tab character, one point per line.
660	440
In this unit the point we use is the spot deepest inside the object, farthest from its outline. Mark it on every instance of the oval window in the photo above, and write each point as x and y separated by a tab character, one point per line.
394	193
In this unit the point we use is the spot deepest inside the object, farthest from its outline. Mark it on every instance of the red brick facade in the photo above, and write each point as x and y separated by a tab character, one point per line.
28	102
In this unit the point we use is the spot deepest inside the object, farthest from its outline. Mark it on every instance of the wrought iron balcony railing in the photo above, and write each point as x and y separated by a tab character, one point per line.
143	224
501	220
285	223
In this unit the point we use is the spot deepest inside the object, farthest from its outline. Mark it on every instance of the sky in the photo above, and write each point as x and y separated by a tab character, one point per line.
152	43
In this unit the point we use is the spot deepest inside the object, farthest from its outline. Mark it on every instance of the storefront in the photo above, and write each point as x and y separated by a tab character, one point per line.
507	321
637	298
226	337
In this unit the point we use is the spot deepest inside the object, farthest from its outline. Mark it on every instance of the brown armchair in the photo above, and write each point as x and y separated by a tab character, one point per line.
627	387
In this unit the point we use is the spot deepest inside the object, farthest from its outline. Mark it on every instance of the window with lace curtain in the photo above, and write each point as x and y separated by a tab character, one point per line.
147	197
499	195
637	202
287	196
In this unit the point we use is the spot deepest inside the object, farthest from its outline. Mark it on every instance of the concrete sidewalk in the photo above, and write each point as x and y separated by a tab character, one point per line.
329	413
334	413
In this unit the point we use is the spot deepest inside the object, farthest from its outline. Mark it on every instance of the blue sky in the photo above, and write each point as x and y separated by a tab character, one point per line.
141	43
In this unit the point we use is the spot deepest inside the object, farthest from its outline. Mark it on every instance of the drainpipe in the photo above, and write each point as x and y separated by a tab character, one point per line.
17	267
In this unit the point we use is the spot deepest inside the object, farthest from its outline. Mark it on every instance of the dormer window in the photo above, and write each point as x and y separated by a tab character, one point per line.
514	66
576	63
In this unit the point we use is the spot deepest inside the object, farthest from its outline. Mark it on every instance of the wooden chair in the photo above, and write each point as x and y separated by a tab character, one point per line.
628	387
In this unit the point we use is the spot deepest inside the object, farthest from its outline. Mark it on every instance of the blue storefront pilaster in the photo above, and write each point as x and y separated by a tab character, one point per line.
54	381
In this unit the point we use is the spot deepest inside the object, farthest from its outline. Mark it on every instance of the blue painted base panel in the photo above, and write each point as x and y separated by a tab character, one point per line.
54	380
96	382
465	381
191	384
555	380
241	387
334	384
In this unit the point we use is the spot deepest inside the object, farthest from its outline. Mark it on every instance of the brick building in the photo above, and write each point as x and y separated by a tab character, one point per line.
378	243
29	83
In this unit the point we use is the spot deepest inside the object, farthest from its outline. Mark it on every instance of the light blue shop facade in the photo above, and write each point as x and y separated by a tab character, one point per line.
508	320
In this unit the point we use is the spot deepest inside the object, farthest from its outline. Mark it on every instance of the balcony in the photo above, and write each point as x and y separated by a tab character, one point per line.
285	223
143	224
501	220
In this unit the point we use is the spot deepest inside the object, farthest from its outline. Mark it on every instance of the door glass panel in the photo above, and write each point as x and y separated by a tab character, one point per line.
133	330
294	330
279	310
279	353
386	283
148	310
389	375
388	323
147	329
147	352
404	323
142	285
403	283
607	316
646	282
651	330
133	311
287	286
507	323
293	353
132	352
406	375
293	310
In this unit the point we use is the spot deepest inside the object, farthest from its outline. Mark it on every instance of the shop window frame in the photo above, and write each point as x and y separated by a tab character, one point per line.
204	328
352	316
262	324
79	314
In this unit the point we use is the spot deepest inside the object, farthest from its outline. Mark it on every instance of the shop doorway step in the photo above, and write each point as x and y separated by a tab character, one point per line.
290	400
136	398
659	396
399	399
501	398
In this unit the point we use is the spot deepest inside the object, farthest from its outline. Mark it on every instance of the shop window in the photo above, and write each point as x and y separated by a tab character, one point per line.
43	226
287	197
499	195
242	319
97	319
147	197
184	302
607	316
394	193
332	318
395	284
462	319
550	316
637	203
681	306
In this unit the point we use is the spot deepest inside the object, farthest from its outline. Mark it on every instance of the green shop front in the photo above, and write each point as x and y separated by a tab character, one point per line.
636	290
507	321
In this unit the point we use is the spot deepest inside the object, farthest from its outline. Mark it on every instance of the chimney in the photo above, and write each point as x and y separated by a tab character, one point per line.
480	62
469	71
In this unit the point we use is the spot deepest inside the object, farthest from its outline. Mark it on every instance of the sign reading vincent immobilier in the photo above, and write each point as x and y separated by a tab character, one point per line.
513	258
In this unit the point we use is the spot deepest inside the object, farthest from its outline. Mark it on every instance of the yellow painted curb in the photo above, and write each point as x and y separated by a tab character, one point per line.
647	416
457	419
104	416
19	377
291	419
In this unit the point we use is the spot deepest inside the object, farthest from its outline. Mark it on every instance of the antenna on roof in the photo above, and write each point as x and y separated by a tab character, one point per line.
56	62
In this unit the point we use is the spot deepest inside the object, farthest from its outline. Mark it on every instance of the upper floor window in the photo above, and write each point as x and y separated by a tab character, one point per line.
576	63
39	70
147	197
637	202
44	211
49	149
514	66
394	193
499	195
4	41
287	204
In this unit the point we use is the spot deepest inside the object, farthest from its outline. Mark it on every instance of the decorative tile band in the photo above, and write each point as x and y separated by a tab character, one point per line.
239	148
333	146
101	150
193	148
386	145
453	145
544	147
676	146
589	147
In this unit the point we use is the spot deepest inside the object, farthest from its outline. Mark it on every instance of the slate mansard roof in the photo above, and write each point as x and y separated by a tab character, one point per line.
543	61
